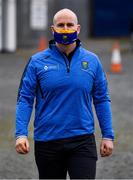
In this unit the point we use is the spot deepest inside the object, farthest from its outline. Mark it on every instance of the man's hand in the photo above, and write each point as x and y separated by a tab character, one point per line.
22	145
106	147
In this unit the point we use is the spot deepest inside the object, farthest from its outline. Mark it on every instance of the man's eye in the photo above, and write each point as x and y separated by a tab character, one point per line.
60	25
63	25
70	24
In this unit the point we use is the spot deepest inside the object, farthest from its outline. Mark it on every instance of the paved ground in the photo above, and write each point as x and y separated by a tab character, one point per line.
119	165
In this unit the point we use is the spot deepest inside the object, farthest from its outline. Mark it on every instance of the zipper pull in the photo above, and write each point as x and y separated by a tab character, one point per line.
68	68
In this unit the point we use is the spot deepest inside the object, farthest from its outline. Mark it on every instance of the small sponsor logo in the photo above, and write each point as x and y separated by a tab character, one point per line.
50	67
45	68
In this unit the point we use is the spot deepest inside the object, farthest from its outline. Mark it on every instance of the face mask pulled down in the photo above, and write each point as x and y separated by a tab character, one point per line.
65	37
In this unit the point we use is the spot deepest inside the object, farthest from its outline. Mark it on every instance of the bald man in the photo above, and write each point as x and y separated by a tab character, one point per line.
64	78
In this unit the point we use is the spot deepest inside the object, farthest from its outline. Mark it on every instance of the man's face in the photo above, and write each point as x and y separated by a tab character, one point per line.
66	22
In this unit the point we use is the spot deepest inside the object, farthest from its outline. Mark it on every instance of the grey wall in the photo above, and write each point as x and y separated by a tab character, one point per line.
29	38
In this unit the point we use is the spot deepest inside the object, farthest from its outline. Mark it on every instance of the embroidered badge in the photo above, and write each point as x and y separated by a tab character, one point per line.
65	38
84	65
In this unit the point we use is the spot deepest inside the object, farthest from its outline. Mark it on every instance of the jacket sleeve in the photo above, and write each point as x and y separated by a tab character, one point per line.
25	100
102	103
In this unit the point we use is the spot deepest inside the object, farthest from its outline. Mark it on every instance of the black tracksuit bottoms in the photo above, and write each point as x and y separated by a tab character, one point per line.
76	155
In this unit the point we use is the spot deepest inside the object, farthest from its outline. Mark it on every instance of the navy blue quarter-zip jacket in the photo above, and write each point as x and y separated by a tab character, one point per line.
64	91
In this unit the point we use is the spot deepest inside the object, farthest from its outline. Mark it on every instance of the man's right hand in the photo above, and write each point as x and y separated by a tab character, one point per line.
22	145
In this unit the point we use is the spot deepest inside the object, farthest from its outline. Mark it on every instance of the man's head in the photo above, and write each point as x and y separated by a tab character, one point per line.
65	24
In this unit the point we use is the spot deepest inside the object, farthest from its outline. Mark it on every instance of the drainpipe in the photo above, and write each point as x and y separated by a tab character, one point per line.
10	26
0	25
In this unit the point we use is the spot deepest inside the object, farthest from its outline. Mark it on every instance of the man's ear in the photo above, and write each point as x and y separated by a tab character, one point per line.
52	28
78	28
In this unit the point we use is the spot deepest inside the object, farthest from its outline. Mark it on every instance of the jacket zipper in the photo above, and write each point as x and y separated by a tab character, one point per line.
67	62
68	67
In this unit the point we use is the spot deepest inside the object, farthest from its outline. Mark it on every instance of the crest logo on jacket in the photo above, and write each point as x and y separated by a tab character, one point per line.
84	65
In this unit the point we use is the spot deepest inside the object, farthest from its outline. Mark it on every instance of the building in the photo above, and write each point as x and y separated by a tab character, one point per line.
23	22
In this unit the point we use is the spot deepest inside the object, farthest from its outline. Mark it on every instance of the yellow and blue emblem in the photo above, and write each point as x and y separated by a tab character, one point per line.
84	65
65	38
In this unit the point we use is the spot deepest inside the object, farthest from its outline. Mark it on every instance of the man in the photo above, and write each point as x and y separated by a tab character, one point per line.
64	78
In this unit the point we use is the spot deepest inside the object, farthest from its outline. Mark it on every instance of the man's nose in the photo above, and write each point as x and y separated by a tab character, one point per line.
65	26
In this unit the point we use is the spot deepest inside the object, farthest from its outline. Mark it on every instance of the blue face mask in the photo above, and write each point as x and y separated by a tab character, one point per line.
65	37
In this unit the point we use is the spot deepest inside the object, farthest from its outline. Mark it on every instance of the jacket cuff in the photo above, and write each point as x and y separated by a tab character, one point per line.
22	136
108	139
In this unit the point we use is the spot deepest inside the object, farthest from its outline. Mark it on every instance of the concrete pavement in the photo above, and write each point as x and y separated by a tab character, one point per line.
119	165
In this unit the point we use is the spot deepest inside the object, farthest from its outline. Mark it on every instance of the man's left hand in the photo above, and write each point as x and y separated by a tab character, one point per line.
106	147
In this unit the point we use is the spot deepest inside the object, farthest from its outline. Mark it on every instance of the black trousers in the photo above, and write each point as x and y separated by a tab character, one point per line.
76	155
